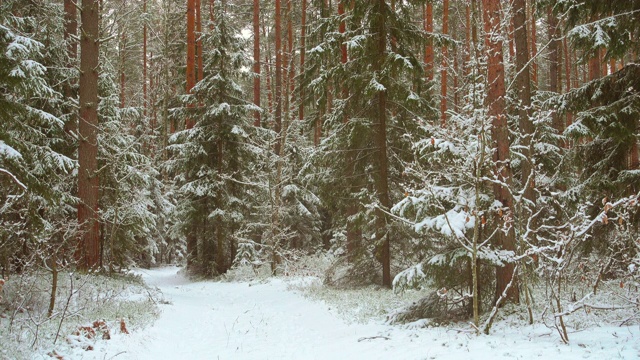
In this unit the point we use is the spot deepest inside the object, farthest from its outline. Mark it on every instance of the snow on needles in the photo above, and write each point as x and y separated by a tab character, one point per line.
453	222
8	152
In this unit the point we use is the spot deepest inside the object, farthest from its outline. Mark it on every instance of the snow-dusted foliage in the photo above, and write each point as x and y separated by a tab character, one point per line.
211	162
35	172
129	184
345	165
88	309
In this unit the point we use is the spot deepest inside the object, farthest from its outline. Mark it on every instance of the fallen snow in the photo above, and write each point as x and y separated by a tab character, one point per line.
218	320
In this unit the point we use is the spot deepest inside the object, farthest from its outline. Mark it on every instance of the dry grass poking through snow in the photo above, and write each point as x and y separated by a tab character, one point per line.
89	308
609	307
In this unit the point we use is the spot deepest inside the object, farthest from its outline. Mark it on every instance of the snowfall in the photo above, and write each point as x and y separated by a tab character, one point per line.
277	319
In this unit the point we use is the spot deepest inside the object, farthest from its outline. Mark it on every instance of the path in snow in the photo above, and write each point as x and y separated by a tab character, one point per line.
217	320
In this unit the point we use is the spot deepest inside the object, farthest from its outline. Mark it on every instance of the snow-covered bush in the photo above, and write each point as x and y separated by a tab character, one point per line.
81	300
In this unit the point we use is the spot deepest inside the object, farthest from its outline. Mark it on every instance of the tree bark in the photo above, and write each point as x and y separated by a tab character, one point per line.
198	35
145	104
278	77
554	64
191	52
70	31
291	70
523	84
192	240
443	71
303	50
534	44
567	73
428	52
88	249
380	141
500	136
256	61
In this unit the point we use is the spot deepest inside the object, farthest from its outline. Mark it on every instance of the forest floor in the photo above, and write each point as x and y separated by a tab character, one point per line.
283	318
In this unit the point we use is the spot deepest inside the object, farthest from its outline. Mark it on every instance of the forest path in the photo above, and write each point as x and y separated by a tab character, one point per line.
218	320
242	321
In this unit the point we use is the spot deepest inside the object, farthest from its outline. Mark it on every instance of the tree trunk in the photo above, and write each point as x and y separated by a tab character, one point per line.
144	60
523	84
191	52
428	53
353	232
380	141
198	34
567	73
88	250
278	77
303	50
70	31
554	64
256	60
534	44
192	240
468	44
291	69
500	137
324	13
443	71
54	283
220	233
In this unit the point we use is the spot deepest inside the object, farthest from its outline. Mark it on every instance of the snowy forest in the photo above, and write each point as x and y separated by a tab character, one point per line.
479	155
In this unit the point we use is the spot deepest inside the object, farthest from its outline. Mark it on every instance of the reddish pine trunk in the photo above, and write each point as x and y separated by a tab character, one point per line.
612	65
523	84
290	65
70	31
191	52
256	60
303	39
534	45
198	34
342	29
594	67
154	116
88	249
428	53
144	61
268	69
567	72
286	71
554	64
443	71
278	75
189	123
512	42
268	83
500	137
467	37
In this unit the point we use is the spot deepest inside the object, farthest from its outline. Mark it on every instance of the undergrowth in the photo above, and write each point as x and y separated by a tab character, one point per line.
86	307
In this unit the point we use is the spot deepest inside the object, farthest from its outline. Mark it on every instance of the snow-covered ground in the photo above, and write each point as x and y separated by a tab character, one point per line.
219	320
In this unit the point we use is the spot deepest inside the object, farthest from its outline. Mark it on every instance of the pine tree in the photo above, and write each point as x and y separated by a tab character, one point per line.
374	130
211	159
